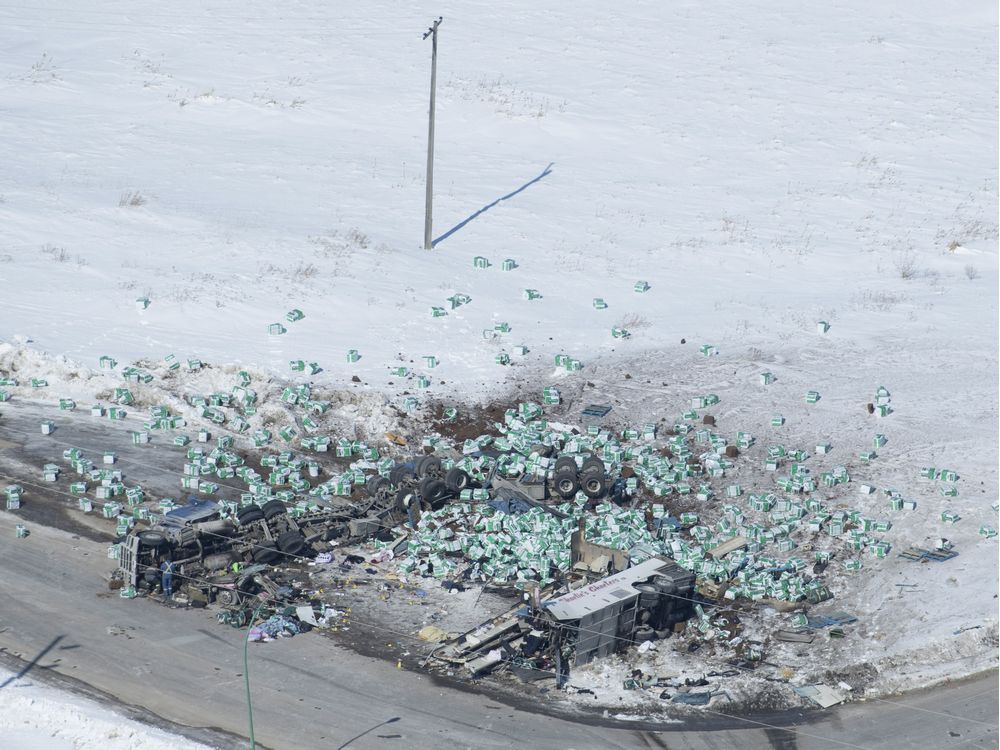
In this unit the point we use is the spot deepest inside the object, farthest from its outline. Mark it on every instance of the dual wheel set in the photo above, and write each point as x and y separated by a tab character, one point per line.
421	481
291	542
590	477
425	482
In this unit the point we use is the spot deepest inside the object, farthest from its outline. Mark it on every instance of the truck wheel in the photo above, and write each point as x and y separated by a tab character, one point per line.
434	491
592	463
273	508
375	483
404	498
153	539
593	484
292	543
265	553
400	474
566	484
249	514
430	466
644	633
457	480
227	597
565	462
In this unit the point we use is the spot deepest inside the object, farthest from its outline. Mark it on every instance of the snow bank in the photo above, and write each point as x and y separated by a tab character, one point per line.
37	717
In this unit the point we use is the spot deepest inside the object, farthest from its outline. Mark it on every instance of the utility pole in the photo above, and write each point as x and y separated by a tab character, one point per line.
433	33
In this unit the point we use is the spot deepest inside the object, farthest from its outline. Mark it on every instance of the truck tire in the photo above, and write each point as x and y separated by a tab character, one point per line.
401	474
457	480
227	597
292	543
566	484
565	462
644	633
265	553
434	492
152	539
404	498
592	463
374	484
430	466
249	514
594	484
273	508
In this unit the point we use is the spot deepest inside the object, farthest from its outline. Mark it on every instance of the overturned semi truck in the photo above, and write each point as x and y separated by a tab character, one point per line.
203	543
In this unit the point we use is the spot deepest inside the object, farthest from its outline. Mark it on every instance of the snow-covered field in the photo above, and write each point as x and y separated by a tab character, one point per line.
36	717
763	166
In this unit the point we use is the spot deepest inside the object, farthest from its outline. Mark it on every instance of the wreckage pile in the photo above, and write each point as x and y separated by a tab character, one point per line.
755	541
755	545
515	546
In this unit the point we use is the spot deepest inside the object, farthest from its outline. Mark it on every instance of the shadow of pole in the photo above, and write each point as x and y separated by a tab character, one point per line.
33	663
393	720
487	207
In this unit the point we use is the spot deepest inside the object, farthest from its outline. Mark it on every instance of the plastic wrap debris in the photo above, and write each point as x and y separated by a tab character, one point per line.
702	698
276	626
832	618
823	696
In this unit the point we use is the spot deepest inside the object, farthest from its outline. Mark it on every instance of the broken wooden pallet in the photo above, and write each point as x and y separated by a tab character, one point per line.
919	554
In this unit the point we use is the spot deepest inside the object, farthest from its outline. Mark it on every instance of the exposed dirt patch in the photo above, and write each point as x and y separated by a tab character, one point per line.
467	426
48	509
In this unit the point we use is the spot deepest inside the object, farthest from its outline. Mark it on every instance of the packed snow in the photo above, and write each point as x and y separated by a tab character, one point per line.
761	166
37	717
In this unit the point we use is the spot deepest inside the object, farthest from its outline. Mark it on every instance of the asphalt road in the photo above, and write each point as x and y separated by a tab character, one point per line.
180	667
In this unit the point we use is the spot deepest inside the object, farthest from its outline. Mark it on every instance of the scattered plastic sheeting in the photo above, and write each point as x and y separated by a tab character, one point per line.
702	698
823	696
832	618
510	505
276	626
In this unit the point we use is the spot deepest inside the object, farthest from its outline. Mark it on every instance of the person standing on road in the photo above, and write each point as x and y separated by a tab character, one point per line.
167	579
